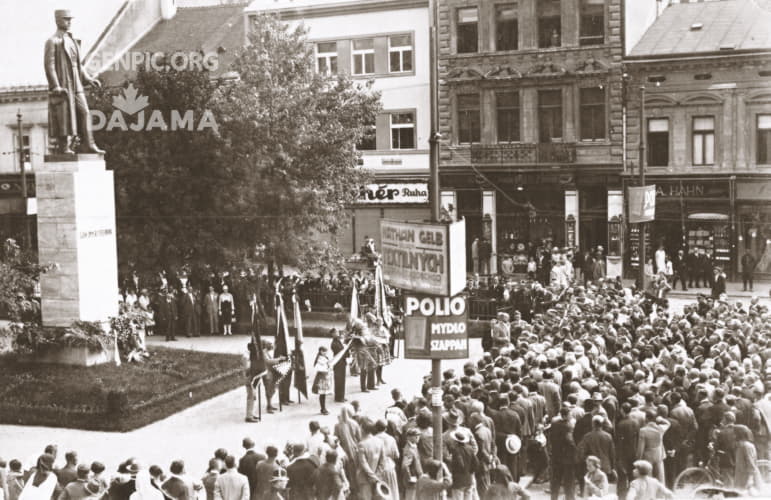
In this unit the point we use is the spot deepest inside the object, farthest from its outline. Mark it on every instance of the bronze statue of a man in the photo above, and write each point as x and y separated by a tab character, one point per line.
67	107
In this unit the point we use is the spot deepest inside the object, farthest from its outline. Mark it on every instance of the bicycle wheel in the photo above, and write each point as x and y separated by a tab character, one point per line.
764	466
692	478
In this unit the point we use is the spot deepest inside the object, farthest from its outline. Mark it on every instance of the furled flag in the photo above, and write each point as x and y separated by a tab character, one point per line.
354	300
300	378
281	348
381	298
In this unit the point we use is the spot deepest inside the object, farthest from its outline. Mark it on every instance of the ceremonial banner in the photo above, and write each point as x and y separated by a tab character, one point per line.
424	258
435	327
300	378
354	300
642	204
381	299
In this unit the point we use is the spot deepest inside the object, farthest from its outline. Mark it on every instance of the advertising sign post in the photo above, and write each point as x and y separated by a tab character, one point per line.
435	327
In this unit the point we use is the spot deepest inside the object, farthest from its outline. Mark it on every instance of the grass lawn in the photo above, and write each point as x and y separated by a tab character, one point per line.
114	398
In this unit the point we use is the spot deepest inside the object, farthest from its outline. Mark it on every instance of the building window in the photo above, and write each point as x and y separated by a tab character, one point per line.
400	53
402	131
592	113
506	27
469	119
468	25
364	56
704	140
326	58
368	140
658	142
592	23
549	115
25	149
507	108
549	23
764	139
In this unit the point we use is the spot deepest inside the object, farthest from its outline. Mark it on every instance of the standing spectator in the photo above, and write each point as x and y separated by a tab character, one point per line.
680	268
669	270
166	316
339	368
76	490
705	267
42	484
718	283
227	311
247	465
645	487
598	444
411	466
391	451
563	456
97	474
210	478
748	267
462	464
69	472
746	471
435	480
179	486
211	312
329	481
301	472
265	471
692	265
587	267
188	320
371	462
231	485
485	253
502	487
598	271
650	447
661	259
14	480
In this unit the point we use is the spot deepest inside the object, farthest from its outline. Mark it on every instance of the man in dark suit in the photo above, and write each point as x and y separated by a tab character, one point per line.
301	472
68	473
598	443
627	435
177	486
674	439
76	490
692	264
681	270
508	422
329	480
247	465
188	320
265	470
563	452
166	319
339	368
718	283
748	267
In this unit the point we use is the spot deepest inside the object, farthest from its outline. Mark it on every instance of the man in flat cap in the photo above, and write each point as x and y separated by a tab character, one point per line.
67	106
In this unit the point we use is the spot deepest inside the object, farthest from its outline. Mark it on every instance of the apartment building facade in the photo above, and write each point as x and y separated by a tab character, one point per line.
706	69
531	120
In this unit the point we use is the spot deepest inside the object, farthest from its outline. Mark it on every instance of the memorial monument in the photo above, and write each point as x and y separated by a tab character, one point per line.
75	196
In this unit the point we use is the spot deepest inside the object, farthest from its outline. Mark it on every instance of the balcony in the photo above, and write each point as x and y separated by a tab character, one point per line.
503	154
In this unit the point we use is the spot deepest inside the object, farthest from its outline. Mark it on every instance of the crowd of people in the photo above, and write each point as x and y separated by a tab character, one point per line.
601	392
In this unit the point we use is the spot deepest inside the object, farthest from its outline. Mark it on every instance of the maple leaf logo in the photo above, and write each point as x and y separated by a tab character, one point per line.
130	102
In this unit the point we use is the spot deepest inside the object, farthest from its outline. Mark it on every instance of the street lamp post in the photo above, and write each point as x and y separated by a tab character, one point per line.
433	165
643	225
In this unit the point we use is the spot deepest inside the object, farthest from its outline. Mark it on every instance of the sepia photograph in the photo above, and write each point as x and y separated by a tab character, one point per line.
385	249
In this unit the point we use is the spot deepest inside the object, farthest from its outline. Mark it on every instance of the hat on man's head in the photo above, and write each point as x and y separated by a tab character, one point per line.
93	487
459	437
63	14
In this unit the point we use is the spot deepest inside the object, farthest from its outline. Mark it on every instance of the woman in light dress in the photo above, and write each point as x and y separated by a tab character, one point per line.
227	310
322	382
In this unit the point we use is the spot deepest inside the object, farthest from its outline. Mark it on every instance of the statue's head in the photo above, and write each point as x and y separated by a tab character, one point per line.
63	19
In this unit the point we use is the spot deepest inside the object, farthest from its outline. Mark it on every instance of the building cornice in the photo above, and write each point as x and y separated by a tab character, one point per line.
23	93
697	56
342	8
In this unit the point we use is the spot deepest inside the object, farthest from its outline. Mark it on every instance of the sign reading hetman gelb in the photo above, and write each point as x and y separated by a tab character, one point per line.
435	327
424	258
415	193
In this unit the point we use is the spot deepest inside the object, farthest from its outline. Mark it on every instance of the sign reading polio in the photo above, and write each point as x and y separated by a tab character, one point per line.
435	327
424	258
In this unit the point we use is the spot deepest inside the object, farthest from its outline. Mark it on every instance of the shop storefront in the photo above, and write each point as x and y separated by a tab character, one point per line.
517	213
753	224
705	214
390	200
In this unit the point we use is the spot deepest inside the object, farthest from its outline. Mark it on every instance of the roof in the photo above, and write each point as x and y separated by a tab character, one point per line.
330	7
725	25
212	29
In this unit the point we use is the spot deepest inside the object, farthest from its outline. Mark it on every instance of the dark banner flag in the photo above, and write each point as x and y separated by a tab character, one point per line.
642	204
298	357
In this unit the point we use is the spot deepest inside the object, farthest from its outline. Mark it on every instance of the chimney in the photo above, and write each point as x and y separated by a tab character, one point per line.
168	9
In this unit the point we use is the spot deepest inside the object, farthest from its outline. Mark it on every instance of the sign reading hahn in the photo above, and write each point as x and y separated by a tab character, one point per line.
424	258
435	327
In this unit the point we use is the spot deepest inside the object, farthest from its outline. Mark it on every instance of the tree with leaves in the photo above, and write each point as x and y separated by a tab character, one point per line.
290	143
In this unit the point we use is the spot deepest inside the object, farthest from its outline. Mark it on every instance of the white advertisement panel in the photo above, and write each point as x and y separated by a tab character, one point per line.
427	258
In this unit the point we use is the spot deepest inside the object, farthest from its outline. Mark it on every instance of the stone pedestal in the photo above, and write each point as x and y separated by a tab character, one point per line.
76	233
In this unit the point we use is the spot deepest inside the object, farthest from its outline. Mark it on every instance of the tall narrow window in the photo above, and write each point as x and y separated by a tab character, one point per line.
25	149
704	140
592	113
402	131
658	142
468	27
506	27
507	108
400	53
549	23
764	139
469	119
549	115
363	56
326	58
592	23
